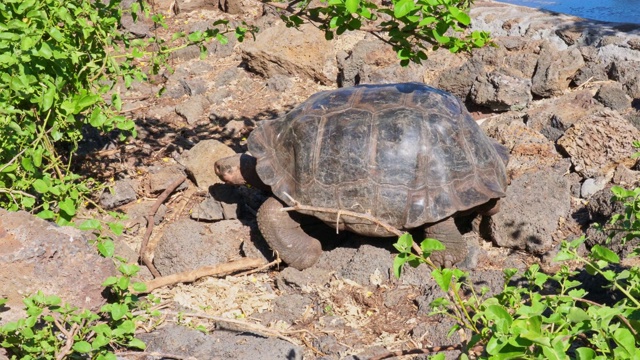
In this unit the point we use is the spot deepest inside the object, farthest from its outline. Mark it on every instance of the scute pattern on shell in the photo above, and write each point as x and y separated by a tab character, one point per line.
408	154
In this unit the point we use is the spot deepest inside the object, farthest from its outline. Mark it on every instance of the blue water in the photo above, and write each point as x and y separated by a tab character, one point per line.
627	11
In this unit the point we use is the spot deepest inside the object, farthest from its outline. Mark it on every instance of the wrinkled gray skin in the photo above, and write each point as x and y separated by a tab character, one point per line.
408	154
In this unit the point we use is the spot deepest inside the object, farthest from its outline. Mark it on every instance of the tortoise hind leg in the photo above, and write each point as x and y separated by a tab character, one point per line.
448	234
286	237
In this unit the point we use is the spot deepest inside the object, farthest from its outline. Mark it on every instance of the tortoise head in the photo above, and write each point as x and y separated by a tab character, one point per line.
239	169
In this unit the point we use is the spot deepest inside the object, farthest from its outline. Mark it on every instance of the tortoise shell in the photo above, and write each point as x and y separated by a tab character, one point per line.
408	154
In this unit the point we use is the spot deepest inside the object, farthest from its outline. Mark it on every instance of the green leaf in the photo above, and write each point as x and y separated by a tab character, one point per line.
585	353
577	315
27	164
430	245
564	255
116	228
123	283
625	339
46	214
352	5
68	206
28	202
127	327
91	224
84	102
398	263
501	316
222	39
107	356
118	311
404	243
621	192
102	329
129	269
601	253
40	186
403	7
9	169
443	278
139	287
137	343
56	34
459	15
97	118
427	21
109	281
116	101
100	341
440	38
106	249
52	300
36	156
82	347
24	5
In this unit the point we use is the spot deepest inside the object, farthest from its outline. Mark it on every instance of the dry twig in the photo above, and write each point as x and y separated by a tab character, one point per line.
193	275
297	207
237	325
145	240
66	349
155	354
261	268
428	350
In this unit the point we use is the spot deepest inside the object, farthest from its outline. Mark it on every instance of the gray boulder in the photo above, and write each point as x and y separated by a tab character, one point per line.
458	80
529	214
599	142
552	117
219	344
199	160
501	92
554	70
529	149
612	96
122	192
38	255
288	51
626	73
187	245
372	61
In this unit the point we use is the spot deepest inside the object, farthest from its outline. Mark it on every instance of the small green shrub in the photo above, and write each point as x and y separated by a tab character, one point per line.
53	330
549	316
412	28
62	63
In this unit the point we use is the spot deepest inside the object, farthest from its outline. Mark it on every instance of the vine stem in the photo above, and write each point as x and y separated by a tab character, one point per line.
620	317
615	283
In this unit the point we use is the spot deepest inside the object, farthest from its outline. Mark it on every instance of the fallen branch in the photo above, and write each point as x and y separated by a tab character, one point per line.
237	325
155	355
261	268
69	341
427	350
145	240
297	207
193	275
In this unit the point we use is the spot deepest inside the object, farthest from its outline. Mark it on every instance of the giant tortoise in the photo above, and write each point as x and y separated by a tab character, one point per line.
407	154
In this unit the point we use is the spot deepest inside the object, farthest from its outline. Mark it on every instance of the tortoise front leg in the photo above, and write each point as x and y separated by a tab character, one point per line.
286	237
448	234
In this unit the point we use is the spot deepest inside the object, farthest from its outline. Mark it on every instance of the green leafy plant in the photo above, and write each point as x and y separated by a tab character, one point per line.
62	63
412	28
53	330
628	222
545	316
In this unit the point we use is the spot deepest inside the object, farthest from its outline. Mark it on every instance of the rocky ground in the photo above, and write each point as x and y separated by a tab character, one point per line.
562	93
